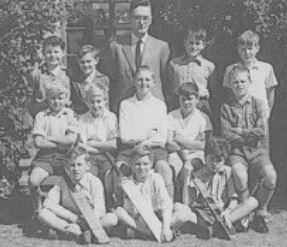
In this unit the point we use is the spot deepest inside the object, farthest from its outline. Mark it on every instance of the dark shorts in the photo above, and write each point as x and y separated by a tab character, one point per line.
99	165
52	163
255	163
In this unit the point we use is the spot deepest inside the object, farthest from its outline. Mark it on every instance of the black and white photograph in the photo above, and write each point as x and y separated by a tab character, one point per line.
143	122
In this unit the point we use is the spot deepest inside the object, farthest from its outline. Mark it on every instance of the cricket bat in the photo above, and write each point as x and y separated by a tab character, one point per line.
145	210
93	223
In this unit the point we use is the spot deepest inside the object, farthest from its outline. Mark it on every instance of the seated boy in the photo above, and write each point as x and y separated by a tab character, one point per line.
216	182
61	213
88	59
143	122
188	129
152	187
55	130
98	131
243	124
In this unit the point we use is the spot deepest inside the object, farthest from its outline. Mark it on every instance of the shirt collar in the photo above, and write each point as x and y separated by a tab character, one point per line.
254	65
91	77
135	39
245	100
102	115
198	60
84	182
147	98
64	111
53	72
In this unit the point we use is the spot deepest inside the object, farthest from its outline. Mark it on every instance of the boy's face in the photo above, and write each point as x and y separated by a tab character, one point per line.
188	103
96	103
53	55
247	53
88	63
193	47
78	167
140	20
144	82
239	84
57	101
212	163
141	167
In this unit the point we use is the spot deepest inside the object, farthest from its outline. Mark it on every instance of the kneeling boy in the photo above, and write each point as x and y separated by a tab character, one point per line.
61	212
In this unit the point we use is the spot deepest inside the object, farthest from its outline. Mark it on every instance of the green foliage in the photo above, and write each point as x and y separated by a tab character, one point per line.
23	23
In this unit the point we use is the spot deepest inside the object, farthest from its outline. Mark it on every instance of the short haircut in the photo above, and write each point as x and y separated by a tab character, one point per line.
248	38
239	68
142	151
137	3
54	40
76	152
197	33
57	87
88	49
217	146
188	88
93	90
144	68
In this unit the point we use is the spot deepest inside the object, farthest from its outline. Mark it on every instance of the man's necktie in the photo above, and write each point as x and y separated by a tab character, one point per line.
138	53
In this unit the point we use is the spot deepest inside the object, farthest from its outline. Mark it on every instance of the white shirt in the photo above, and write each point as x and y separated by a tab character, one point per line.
103	128
47	124
193	126
155	194
262	78
139	119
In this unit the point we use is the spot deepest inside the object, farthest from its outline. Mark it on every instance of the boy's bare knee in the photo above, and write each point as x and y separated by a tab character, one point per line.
269	177
252	202
37	176
108	220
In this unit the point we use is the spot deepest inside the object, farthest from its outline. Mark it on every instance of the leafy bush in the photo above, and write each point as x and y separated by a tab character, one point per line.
23	23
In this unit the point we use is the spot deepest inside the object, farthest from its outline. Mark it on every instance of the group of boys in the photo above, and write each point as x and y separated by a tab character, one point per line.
168	157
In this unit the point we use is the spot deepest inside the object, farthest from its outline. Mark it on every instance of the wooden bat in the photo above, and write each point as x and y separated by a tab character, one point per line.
87	211
217	217
135	196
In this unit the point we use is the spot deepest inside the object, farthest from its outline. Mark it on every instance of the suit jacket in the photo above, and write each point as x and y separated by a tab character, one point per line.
121	69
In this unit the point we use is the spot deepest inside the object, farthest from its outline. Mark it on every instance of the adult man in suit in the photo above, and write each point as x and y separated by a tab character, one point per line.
142	50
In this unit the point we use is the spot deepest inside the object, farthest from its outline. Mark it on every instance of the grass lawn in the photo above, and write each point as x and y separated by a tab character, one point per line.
11	232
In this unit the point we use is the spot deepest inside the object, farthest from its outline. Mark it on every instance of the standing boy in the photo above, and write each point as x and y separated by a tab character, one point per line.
189	129
243	123
143	122
50	72
192	67
261	74
55	130
88	59
143	50
60	212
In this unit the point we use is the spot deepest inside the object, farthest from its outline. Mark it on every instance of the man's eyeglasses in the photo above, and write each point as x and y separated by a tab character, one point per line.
139	18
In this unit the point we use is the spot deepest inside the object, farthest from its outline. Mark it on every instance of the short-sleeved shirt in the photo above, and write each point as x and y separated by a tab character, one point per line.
193	126
41	79
198	71
102	128
47	124
78	88
90	186
155	194
262	77
219	186
139	118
